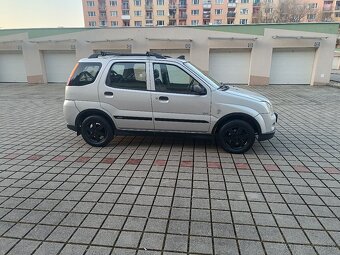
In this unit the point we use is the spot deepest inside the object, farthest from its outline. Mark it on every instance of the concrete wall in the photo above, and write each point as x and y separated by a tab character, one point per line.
200	42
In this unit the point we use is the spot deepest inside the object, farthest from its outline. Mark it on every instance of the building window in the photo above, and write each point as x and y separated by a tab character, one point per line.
195	2
219	1
312	5
138	23
92	14
92	23
217	22
149	23
218	11
269	1
195	12
125	12
243	21
160	12
160	22
244	1
311	17
244	11
138	13
337	14
138	2
114	13
103	23
194	22
113	3
268	10
90	3
114	23
160	2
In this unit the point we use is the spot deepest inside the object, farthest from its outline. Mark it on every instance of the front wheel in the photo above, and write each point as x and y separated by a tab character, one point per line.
236	136
96	131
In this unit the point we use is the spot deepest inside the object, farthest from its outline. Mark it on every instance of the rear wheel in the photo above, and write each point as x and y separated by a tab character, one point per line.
236	136
96	131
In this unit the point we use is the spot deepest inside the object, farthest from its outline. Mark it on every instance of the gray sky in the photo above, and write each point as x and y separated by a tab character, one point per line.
41	13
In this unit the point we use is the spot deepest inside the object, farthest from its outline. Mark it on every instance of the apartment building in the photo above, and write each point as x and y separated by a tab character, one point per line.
138	13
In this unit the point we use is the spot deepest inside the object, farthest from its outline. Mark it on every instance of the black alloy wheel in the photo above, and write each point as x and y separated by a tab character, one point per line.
96	131
236	136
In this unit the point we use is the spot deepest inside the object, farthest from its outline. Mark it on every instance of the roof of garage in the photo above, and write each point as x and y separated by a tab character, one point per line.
258	29
42	32
254	29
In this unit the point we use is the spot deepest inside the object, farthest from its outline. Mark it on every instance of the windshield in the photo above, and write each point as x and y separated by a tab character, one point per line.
204	76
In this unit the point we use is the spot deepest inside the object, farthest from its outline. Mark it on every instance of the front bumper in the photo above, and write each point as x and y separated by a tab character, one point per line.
270	135
71	127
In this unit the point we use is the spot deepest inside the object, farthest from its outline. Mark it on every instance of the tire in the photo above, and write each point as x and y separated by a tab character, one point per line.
236	136
96	131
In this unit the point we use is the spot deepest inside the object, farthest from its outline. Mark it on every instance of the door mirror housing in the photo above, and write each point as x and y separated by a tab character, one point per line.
198	89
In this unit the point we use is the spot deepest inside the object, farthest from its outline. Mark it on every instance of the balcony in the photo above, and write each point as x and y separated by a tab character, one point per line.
148	7
183	16
172	17
206	16
206	6
182	6
327	8
231	14
232	5
126	17
172	6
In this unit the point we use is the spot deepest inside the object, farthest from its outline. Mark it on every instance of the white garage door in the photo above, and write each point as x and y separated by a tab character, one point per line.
230	66
173	53
58	65
292	66
12	67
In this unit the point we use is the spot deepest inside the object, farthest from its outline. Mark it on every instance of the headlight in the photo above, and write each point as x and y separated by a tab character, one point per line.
269	107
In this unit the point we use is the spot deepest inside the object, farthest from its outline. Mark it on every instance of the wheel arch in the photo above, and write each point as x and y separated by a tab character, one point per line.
89	112
237	116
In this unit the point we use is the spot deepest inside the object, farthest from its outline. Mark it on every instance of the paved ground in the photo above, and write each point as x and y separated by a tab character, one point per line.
172	195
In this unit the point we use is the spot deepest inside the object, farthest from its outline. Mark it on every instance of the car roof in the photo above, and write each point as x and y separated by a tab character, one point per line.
106	57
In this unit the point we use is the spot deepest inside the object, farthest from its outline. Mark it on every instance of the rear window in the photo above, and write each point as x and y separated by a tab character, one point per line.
84	73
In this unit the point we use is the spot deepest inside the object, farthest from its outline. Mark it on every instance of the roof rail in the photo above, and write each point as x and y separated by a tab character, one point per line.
147	54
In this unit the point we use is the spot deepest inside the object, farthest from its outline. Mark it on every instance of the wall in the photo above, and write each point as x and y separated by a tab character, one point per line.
200	40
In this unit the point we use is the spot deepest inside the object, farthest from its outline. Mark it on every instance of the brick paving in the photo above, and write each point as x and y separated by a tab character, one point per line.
169	195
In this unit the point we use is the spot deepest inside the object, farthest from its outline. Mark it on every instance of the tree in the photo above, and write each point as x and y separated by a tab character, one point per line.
283	11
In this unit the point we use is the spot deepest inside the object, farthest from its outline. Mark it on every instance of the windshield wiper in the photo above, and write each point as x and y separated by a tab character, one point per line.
223	87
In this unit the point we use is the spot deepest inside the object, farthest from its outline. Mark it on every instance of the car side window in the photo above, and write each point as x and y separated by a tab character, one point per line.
127	75
172	79
84	74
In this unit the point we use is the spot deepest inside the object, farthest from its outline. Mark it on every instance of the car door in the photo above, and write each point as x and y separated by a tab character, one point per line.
125	93
175	106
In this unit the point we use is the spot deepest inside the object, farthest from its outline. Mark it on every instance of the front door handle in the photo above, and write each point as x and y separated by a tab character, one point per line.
108	93
163	98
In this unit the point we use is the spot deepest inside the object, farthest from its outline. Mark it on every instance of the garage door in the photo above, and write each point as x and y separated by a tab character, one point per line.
173	53
230	66
12	67
292	66
58	65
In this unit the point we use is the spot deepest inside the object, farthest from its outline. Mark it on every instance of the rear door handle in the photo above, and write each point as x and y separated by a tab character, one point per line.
108	93
162	98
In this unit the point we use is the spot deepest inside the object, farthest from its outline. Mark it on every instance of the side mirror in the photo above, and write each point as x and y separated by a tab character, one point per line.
198	90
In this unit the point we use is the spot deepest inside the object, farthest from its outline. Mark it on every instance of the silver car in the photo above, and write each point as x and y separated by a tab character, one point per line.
109	92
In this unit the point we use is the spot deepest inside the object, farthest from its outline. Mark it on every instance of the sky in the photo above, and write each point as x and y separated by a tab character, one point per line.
40	13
